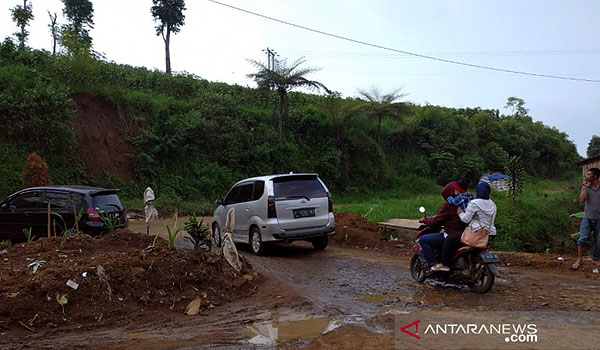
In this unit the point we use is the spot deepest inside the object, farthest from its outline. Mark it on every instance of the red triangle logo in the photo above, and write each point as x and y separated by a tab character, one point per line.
416	324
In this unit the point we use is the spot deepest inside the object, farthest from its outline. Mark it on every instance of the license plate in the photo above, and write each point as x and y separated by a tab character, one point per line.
490	257
114	215
304	213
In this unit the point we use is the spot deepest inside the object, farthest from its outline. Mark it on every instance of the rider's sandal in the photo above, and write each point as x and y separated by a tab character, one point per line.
440	267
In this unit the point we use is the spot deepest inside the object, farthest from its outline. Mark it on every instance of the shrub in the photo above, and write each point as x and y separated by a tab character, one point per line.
35	172
198	232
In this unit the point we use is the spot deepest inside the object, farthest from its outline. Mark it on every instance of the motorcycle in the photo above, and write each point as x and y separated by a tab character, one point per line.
471	266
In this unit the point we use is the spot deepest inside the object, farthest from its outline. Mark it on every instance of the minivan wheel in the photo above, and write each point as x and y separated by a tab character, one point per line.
320	243
216	233
256	243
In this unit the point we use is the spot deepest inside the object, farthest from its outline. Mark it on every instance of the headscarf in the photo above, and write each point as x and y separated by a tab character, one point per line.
448	190
483	190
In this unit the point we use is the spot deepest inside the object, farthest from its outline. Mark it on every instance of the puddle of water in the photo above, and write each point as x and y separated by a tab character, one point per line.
257	339
296	326
280	331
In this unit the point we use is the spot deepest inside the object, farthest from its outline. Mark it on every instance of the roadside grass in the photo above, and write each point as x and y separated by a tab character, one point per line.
382	207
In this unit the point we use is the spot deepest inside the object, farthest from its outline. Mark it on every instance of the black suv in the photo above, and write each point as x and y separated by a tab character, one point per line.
28	208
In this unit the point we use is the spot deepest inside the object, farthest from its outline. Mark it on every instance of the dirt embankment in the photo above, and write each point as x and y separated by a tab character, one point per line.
120	280
354	231
102	138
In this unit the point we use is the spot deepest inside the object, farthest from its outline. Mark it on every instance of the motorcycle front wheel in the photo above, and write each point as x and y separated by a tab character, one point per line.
416	269
484	280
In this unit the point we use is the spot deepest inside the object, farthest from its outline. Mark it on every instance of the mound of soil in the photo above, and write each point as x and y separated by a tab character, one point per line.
354	231
119	277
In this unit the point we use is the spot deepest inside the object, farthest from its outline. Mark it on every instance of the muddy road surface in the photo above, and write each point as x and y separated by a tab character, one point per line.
358	297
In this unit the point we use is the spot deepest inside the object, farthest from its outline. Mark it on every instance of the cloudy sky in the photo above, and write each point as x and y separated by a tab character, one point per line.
537	36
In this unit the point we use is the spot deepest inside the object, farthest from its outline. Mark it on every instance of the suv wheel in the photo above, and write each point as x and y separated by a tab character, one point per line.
320	243
256	243
216	233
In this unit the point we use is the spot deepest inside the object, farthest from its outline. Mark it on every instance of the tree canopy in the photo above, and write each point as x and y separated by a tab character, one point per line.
75	35
593	148
170	18
21	15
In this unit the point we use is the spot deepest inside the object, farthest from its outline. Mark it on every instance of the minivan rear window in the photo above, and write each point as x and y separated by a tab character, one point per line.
290	187
110	202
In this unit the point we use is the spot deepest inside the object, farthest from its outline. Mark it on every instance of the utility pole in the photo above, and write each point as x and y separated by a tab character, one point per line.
270	58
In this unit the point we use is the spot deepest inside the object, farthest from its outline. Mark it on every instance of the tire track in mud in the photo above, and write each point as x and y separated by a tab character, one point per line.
338	282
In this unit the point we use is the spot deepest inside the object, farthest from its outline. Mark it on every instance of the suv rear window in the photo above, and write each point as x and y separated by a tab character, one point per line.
289	187
105	201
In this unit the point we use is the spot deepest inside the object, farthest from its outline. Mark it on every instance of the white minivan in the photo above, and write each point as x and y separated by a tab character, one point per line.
274	208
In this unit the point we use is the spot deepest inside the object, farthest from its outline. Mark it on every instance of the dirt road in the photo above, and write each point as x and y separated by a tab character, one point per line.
351	298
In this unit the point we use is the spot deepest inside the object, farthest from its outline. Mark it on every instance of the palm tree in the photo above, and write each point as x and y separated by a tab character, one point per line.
283	78
380	105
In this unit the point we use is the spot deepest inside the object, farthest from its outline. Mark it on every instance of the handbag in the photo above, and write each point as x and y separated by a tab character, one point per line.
476	239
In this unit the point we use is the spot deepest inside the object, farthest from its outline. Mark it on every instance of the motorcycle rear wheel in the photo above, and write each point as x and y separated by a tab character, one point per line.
416	269
485	280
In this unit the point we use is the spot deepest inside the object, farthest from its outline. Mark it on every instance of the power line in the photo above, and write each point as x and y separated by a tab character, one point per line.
406	52
491	54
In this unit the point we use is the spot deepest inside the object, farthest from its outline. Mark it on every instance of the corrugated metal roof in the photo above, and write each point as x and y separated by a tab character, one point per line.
589	160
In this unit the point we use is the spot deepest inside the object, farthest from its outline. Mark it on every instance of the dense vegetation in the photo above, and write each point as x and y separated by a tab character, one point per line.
195	138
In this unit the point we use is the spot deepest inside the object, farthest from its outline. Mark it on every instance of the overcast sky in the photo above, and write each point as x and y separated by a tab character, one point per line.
538	36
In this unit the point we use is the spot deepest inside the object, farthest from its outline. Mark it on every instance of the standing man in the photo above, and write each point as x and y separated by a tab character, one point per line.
590	197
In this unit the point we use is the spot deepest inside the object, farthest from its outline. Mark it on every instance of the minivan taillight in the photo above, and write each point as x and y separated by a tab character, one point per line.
93	214
271	212
329	203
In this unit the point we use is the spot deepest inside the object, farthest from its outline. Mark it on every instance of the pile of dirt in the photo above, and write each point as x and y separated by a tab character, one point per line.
119	277
354	231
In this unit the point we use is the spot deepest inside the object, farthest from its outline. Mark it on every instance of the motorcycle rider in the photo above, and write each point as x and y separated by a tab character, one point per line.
447	216
480	213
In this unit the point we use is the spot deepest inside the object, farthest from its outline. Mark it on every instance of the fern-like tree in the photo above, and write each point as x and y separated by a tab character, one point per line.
284	78
514	169
35	172
380	105
170	18
21	15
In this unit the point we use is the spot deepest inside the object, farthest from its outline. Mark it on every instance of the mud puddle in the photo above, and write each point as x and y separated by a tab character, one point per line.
298	327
